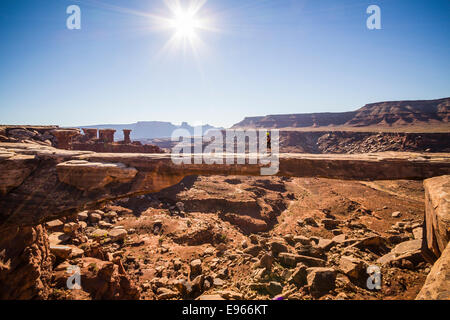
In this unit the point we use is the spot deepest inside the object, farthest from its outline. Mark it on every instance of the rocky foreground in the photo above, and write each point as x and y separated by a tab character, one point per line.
201	231
246	238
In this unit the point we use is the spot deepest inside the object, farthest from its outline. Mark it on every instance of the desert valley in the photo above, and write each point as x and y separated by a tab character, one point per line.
359	209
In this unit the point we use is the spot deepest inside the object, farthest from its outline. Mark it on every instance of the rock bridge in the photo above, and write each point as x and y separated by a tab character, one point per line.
40	183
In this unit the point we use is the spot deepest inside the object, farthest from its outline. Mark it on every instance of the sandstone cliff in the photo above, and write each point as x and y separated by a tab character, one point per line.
381	114
436	238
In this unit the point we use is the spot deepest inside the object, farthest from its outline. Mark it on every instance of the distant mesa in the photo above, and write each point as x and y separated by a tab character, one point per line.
392	114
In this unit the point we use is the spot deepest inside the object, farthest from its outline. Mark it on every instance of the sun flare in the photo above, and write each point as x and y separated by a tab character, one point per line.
185	24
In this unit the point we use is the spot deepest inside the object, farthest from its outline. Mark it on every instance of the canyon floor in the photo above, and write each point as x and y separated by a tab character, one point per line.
253	238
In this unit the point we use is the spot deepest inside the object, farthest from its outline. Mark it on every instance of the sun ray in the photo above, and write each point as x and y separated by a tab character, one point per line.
185	22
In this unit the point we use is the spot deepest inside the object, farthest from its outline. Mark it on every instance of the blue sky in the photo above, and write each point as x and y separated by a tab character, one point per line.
264	57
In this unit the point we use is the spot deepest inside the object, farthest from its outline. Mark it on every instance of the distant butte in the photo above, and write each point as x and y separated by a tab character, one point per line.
400	115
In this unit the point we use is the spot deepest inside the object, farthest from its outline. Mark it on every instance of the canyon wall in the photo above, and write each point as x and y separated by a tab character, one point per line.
383	114
436	236
341	142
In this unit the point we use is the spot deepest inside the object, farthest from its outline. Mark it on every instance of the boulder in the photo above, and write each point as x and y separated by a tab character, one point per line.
274	288
117	234
95	217
197	284
291	260
266	261
99	233
164	294
310	261
437	217
228	295
184	287
277	247
253	250
56	238
321	281
437	284
83	215
408	250
101	279
288	259
196	267
310	221
247	224
62	252
340	238
354	268
299	275
217	282
310	250
326	244
105	225
55	225
330	224
376	244
302	239
71	227
396	214
76	252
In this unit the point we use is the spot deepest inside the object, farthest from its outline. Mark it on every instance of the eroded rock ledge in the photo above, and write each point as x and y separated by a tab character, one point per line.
86	175
48	183
40	183
435	245
437	217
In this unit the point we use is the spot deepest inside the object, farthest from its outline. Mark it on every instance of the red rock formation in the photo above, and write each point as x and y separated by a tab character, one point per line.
437	217
90	133
101	279
435	240
105	143
106	135
64	137
25	263
126	136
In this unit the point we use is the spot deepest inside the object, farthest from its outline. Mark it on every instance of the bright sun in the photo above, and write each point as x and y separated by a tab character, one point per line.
185	24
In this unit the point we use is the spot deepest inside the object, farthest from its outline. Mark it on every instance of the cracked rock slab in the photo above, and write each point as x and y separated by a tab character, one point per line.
14	169
85	175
